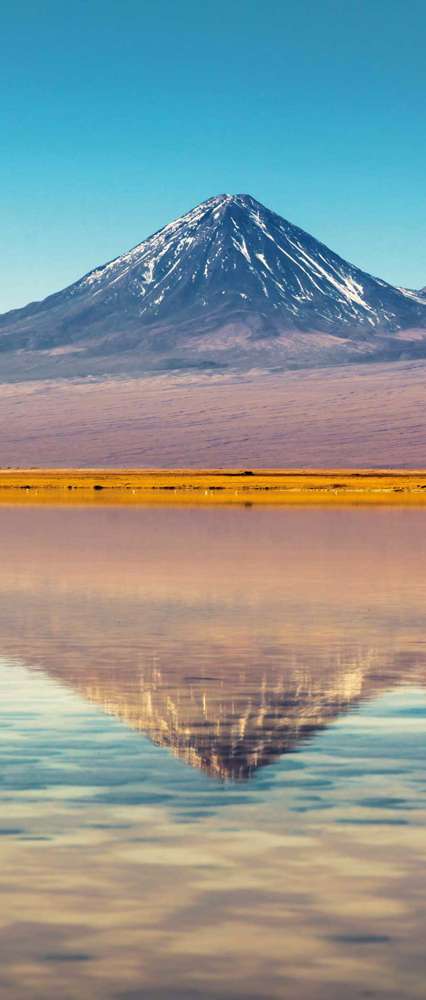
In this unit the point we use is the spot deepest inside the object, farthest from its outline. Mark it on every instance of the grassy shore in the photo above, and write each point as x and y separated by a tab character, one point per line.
136	486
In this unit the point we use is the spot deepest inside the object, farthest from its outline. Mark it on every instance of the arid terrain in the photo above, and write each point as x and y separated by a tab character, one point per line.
358	416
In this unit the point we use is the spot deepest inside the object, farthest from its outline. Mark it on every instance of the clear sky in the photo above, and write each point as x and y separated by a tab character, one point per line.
117	116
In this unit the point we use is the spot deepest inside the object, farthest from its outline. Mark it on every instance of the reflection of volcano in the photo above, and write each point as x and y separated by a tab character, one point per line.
238	719
226	636
231	724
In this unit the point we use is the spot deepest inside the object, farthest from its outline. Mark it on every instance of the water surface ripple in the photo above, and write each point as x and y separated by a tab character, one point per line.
213	753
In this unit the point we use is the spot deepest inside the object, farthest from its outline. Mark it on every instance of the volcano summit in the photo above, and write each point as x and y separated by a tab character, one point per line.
230	285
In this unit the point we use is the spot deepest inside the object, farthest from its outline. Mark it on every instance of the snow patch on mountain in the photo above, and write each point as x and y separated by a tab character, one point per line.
229	263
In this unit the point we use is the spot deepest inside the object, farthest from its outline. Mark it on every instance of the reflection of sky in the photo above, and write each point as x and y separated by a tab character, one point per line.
125	873
121	864
226	635
54	743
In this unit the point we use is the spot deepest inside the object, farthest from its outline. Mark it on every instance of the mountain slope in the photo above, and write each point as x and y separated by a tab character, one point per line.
230	284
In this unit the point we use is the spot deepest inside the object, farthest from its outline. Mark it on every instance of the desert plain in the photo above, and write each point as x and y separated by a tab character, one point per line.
352	417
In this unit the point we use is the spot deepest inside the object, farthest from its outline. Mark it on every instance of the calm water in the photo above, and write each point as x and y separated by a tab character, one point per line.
212	754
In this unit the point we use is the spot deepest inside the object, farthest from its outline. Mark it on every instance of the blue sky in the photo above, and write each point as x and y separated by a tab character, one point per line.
116	117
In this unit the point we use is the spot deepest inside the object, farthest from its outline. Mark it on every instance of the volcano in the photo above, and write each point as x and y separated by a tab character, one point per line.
229	286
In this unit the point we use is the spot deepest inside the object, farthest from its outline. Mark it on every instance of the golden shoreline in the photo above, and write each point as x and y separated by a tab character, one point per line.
285	487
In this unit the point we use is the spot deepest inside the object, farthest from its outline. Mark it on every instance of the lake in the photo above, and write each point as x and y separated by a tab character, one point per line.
213	753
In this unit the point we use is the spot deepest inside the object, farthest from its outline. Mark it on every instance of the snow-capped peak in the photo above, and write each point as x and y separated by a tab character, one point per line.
231	249
227	264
